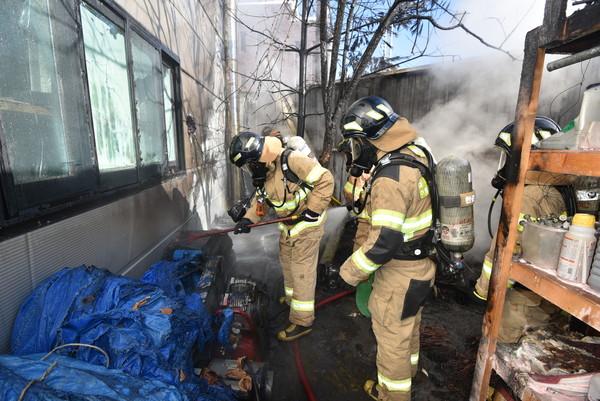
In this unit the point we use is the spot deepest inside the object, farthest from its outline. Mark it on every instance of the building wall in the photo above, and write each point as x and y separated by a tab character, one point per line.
130	232
269	71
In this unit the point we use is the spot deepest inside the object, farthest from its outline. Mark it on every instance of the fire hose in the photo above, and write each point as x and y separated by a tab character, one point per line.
192	237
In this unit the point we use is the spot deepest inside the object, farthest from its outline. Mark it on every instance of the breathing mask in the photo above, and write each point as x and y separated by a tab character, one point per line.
364	156
499	179
258	172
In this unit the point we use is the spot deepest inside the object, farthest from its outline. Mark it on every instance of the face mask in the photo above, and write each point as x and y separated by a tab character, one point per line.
259	173
364	156
499	179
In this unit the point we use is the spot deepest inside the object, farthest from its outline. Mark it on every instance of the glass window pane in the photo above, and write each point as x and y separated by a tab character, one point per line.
147	77
45	131
108	82
170	114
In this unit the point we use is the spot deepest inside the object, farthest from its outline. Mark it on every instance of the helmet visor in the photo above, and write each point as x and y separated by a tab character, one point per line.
501	160
356	148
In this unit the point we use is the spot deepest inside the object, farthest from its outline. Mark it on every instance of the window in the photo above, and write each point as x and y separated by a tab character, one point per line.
45	138
108	83
88	104
169	114
150	107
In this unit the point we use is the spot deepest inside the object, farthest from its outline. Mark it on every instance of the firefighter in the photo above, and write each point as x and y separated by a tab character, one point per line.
354	191
396	249
544	194
292	184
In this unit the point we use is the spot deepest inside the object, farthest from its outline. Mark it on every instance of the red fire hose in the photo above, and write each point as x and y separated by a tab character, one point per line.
299	367
192	237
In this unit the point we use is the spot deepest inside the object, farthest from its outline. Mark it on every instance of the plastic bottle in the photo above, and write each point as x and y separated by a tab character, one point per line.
589	112
594	279
577	250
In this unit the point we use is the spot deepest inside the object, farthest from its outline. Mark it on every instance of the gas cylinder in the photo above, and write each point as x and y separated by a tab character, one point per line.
455	188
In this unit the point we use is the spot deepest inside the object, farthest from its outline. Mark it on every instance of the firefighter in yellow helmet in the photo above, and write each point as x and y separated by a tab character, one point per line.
399	243
293	185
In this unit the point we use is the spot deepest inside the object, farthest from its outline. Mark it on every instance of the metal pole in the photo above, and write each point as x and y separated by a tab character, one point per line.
575	58
192	237
302	73
235	177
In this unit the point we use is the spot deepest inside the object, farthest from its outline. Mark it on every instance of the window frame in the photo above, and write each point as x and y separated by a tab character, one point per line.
94	187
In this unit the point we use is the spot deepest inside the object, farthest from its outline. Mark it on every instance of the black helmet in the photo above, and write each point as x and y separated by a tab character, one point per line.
246	147
542	129
368	117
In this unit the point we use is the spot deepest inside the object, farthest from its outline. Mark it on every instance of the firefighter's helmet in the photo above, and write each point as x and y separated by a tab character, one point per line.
246	147
542	129
369	117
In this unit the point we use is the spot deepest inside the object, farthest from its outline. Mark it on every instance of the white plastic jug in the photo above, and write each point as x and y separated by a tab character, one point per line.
571	135
577	249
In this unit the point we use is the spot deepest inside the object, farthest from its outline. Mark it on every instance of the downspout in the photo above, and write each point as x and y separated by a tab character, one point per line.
234	174
302	71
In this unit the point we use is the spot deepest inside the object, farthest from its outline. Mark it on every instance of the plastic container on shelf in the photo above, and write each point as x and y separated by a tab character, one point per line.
572	134
541	244
594	279
577	249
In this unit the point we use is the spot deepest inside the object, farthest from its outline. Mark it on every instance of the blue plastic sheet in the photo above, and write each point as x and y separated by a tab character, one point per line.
72	379
146	332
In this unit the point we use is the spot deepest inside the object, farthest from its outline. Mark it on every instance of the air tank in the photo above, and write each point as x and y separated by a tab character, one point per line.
455	188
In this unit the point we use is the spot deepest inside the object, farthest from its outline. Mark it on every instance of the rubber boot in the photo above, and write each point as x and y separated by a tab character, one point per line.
477	299
293	332
370	388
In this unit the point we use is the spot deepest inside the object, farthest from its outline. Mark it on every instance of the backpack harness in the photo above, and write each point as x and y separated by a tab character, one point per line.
424	246
288	176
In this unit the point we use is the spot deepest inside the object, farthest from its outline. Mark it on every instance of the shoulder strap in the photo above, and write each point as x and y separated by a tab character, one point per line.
289	174
396	158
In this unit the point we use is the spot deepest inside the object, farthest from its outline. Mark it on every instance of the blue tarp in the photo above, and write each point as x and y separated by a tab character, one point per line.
147	332
72	379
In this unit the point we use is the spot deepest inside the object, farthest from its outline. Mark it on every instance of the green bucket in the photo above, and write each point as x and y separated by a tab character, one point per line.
363	292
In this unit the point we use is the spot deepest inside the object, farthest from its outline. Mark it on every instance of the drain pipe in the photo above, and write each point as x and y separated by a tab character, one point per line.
230	31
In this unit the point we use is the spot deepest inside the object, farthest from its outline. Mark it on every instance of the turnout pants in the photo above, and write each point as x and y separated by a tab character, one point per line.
299	256
396	304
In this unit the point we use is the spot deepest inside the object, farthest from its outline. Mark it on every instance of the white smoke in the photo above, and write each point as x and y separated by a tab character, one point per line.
485	99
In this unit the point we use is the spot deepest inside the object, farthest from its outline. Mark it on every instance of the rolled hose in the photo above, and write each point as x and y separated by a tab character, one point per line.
303	379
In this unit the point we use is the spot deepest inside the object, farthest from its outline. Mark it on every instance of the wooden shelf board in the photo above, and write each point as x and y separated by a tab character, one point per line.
578	162
580	300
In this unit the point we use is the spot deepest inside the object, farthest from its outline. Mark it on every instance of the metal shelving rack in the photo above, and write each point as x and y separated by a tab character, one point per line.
577	36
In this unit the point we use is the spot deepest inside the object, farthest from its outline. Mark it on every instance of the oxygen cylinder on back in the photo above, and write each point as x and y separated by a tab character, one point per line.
455	187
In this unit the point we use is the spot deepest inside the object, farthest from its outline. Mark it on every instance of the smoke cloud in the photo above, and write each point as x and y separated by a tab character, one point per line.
485	101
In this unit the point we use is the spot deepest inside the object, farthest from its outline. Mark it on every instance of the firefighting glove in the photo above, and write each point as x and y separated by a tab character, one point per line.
242	226
310	216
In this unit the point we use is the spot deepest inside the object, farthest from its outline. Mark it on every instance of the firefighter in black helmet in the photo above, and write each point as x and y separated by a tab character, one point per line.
396	250
545	194
306	195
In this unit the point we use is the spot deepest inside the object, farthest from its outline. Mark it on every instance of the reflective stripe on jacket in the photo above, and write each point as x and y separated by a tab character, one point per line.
295	200
400	210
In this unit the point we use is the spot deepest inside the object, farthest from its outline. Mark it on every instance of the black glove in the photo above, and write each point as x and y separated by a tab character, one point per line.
310	216
242	226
